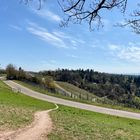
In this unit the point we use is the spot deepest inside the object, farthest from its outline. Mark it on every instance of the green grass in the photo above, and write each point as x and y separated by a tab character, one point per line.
16	109
75	124
83	94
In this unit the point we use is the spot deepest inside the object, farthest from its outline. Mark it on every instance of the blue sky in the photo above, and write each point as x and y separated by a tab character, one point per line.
34	40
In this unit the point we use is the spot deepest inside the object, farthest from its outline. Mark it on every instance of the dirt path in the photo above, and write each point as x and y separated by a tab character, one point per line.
38	130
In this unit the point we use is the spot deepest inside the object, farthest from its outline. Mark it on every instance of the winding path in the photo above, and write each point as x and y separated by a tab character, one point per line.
56	100
38	130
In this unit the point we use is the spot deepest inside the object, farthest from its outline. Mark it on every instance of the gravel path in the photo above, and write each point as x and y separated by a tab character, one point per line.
56	100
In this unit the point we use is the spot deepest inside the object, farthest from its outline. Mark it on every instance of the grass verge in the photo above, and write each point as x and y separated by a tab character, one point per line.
75	124
78	92
16	109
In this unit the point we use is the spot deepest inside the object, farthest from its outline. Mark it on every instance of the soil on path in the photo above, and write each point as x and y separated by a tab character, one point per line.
38	130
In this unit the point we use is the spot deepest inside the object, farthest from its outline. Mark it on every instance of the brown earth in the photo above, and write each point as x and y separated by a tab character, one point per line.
38	130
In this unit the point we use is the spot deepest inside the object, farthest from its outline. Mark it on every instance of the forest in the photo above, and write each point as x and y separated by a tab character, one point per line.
121	88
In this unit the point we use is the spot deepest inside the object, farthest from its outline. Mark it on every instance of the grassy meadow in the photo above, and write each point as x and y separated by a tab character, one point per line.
16	109
75	124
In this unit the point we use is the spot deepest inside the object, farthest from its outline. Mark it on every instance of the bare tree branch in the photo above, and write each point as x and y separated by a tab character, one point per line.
134	21
82	10
78	11
28	1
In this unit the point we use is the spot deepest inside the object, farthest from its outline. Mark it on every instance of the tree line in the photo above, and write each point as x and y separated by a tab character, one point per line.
121	88
12	73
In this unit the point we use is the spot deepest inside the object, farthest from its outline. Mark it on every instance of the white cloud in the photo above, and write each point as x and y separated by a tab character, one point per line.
47	15
74	48
114	47
131	52
45	35
72	56
15	27
55	38
74	42
93	46
61	34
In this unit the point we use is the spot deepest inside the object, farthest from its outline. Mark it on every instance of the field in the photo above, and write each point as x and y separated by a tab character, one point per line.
16	109
75	124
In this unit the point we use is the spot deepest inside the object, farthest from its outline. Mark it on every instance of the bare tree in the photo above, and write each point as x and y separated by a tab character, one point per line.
134	22
90	11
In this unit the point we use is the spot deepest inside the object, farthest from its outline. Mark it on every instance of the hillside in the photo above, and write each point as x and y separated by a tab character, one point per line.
124	89
81	94
16	109
76	92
